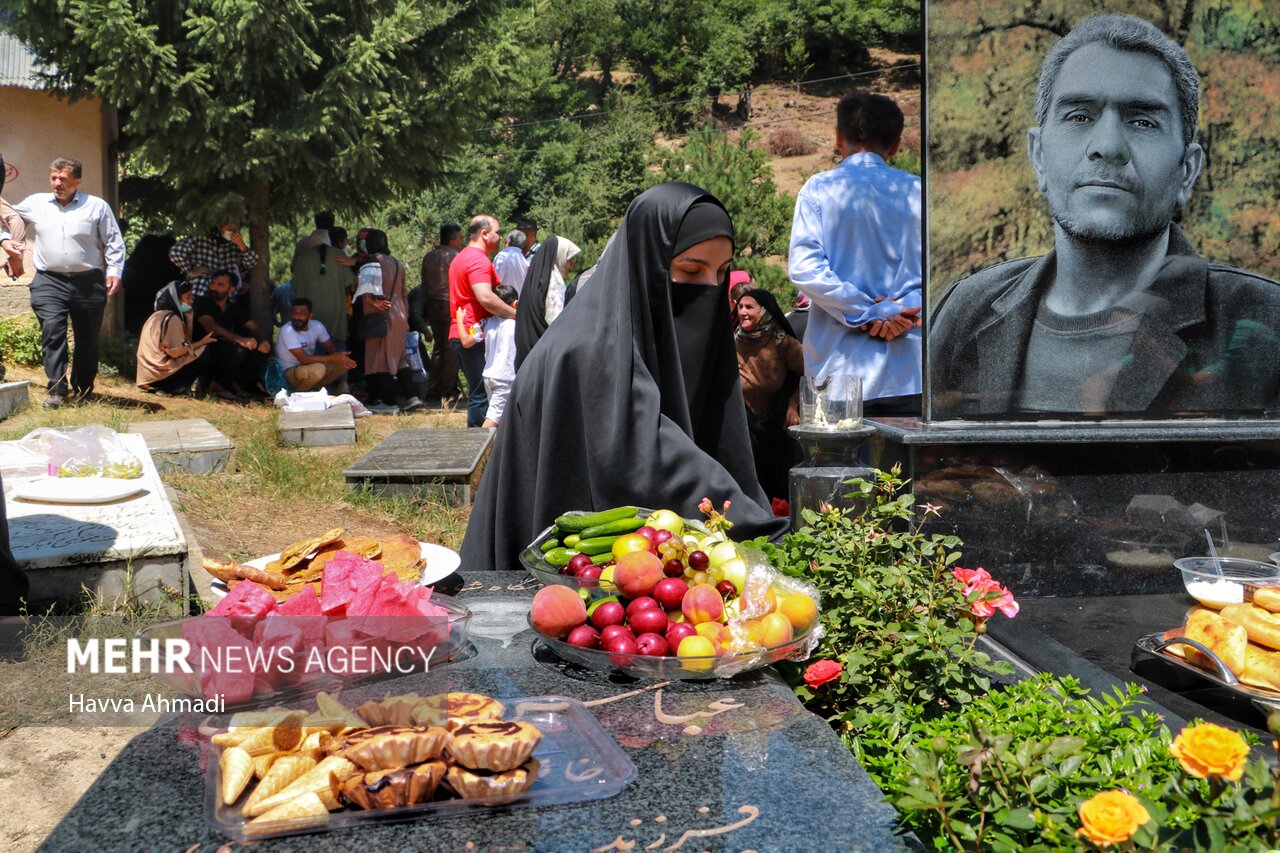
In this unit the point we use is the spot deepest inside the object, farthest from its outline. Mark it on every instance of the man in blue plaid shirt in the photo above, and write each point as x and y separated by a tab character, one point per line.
221	249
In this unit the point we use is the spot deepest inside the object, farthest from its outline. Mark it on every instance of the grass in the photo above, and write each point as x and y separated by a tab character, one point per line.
275	496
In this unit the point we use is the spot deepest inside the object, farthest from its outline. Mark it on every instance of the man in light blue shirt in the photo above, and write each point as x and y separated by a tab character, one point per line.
79	256
856	253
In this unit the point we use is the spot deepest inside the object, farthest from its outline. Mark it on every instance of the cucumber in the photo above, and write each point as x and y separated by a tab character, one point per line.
559	556
578	523
613	528
549	544
602	559
598	545
572	540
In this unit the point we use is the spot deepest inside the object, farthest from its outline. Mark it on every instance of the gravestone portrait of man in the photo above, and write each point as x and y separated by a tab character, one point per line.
1122	317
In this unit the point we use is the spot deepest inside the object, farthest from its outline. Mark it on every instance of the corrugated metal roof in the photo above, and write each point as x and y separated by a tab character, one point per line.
18	66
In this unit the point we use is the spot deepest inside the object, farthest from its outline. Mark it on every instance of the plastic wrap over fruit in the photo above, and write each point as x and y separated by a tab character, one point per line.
91	451
774	605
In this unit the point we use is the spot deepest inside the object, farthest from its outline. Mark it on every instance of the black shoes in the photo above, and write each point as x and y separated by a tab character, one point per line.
54	401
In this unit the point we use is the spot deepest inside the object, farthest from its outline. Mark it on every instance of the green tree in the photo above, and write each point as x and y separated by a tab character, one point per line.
268	109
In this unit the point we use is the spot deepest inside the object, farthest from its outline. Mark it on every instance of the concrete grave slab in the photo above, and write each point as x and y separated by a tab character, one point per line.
193	445
13	396
128	550
332	427
443	464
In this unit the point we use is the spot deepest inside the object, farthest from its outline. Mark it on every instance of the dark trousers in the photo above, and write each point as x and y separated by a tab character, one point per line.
180	380
443	381
472	359
233	365
383	386
80	297
906	406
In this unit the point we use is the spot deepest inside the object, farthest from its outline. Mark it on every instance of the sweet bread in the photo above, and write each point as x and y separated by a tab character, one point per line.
389	789
474	784
493	744
1263	626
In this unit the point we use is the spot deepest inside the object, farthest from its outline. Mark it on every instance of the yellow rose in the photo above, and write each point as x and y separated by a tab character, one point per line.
1111	818
1210	750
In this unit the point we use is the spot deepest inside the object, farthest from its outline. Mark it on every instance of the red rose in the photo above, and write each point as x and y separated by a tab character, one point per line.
820	672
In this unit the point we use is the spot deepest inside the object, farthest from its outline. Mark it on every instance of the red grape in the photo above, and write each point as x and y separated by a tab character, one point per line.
673	568
726	589
648	533
698	561
661	536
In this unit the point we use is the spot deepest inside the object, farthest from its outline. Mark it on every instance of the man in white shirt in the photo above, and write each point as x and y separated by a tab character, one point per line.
79	255
511	263
856	253
306	354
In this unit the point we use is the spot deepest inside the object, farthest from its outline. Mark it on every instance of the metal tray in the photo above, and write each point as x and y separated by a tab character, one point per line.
1154	648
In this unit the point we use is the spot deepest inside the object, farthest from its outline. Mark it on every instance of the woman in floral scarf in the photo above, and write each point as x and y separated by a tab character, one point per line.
770	364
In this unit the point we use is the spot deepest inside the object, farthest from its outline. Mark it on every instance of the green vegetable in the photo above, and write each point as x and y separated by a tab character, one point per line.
602	559
579	523
613	528
551	543
572	540
598	545
559	556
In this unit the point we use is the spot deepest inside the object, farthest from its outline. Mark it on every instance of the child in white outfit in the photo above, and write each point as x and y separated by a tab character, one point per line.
498	334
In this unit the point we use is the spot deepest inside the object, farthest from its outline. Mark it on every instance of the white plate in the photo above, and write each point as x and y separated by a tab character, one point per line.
441	562
78	490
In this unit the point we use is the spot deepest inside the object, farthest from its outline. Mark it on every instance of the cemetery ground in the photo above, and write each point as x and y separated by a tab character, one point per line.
274	496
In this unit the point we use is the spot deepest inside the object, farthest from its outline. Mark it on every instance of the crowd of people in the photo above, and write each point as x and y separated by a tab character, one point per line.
673	358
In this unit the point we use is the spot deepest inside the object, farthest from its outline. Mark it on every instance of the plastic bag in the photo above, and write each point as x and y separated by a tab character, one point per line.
413	357
91	451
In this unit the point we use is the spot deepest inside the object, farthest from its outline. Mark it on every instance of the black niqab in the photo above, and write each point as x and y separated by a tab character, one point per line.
531	318
599	414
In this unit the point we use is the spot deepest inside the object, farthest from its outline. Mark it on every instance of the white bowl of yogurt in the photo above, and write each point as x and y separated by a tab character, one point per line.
1223	584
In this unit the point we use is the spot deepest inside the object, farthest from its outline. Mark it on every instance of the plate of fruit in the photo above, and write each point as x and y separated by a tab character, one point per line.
674	599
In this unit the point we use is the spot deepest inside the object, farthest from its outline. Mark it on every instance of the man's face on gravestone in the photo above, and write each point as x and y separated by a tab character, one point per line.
1110	158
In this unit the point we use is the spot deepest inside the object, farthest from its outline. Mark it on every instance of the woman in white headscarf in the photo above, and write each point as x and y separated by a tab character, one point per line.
543	295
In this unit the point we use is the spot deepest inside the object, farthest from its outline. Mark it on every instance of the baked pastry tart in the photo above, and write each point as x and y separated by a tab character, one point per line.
493	744
477	784
389	789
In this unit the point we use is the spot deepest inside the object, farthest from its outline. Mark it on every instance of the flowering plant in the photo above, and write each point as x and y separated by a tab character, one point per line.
984	593
1111	817
820	672
716	521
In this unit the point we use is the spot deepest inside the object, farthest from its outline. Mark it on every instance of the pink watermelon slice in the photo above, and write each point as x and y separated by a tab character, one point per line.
245	606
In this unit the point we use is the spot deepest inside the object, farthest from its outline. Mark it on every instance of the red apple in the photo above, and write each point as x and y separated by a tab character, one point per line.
652	645
677	631
670	592
644	602
650	621
621	649
584	636
614	631
608	613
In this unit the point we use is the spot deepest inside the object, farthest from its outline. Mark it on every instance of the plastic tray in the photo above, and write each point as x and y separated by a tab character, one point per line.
580	762
188	684
670	667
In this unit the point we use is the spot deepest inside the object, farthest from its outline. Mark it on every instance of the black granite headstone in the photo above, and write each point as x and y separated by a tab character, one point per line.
418	463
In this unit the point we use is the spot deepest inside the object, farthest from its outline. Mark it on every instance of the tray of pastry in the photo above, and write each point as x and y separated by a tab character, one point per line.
1236	649
321	766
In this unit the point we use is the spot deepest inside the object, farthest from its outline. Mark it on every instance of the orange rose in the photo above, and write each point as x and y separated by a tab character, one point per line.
1111	818
1210	750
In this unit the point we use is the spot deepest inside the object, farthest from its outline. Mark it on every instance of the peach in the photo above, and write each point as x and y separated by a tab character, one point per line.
759	600
557	610
697	647
800	610
702	603
776	630
754	633
713	631
637	573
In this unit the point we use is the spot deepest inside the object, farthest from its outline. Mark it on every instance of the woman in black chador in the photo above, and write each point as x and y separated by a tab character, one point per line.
631	397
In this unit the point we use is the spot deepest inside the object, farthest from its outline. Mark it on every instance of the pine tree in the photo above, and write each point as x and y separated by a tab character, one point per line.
270	109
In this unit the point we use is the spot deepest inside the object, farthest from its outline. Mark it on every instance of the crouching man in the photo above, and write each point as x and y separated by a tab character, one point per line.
305	352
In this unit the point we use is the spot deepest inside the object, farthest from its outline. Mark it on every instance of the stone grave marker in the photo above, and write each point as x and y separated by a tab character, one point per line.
329	428
193	445
13	396
419	463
